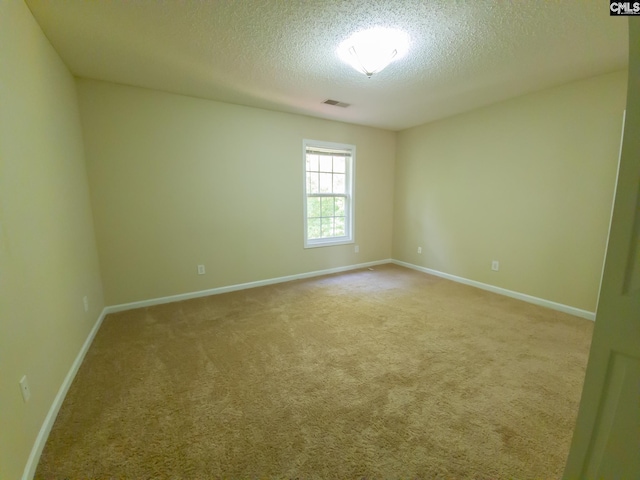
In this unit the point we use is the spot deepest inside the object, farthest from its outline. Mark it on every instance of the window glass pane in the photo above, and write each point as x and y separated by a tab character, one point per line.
327	227
339	206
327	206
326	183
313	207
339	226
325	163
339	164
312	162
312	183
314	228
338	183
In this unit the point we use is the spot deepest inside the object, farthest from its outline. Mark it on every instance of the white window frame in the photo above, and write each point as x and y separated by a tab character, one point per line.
350	168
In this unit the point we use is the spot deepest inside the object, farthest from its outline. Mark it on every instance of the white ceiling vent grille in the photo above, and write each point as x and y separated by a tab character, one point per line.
336	103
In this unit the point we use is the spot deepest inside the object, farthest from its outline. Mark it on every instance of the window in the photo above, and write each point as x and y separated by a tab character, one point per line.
328	193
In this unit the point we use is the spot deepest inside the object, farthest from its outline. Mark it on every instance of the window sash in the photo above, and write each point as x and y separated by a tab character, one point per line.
334	226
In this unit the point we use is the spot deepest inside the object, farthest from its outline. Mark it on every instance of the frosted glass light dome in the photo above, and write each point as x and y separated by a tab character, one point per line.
370	51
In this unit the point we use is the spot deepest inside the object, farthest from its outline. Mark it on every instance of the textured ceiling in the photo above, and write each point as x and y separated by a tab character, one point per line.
281	54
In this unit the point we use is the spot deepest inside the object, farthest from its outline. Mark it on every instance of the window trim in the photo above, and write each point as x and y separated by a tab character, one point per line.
350	183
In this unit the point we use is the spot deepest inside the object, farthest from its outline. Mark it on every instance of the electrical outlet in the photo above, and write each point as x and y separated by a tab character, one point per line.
419	249
85	301
201	270
356	248
495	265
24	388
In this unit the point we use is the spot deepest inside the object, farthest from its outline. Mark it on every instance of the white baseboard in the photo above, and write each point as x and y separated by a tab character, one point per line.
270	281
45	429
242	286
502	291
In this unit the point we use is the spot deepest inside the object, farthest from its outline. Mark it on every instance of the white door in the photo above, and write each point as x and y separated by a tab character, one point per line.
606	441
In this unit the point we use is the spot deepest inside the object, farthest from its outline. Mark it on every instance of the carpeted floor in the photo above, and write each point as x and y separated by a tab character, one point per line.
389	373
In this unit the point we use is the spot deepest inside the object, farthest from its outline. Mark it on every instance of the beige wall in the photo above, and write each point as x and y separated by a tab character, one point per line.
178	181
528	182
48	258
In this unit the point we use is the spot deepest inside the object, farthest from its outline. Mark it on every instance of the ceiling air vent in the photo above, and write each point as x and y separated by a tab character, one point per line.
336	103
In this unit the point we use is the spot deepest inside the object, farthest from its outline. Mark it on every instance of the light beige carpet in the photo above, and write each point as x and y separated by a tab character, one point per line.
388	373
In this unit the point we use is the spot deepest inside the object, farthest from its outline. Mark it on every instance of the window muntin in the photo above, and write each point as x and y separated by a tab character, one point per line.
328	193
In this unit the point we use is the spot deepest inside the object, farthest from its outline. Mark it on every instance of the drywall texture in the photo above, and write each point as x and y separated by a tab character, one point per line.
178	181
528	182
48	257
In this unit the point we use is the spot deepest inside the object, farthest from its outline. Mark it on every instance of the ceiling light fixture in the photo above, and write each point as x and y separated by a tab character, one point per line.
370	51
